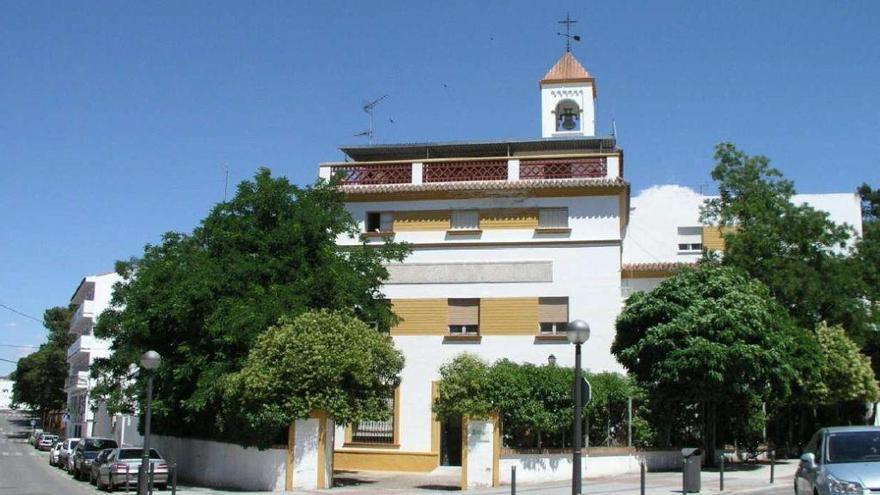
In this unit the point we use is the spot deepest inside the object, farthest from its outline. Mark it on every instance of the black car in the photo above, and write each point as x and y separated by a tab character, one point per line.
86	451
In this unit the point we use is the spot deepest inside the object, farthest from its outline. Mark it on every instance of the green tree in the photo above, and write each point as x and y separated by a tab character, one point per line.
868	248
39	377
320	360
708	340
796	250
201	300
846	373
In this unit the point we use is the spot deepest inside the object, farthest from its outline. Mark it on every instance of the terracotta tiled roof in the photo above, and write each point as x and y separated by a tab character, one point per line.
496	185
567	69
656	267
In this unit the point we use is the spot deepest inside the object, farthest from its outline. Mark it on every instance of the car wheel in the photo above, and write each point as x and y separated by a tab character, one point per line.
92	479
162	487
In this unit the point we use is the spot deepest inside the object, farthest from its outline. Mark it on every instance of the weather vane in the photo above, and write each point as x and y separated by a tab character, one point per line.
568	36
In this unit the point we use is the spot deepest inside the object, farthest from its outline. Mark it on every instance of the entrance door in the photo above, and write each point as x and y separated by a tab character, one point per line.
450	442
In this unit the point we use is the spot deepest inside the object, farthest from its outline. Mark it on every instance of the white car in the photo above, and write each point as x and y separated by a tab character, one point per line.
65	459
53	454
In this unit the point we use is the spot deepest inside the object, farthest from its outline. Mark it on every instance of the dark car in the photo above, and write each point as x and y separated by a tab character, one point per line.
86	451
123	465
97	463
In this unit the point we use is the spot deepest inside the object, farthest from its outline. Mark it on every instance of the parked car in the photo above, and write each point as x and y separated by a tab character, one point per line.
53	454
65	459
35	434
840	460
96	464
86	451
46	441
127	462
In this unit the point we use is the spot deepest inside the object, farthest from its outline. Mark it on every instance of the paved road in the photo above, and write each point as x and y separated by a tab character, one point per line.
25	470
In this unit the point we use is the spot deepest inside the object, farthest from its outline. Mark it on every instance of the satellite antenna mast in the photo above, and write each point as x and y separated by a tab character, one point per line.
567	34
368	108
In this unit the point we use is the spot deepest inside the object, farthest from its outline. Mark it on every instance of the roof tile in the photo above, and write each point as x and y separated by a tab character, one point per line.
567	69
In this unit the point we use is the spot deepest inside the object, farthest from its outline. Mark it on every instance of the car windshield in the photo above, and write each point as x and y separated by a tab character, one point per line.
96	444
136	454
854	446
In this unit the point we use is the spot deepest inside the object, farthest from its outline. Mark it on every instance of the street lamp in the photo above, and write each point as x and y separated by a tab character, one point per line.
149	361
578	333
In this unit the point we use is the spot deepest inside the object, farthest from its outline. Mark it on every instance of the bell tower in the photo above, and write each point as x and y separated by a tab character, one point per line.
568	100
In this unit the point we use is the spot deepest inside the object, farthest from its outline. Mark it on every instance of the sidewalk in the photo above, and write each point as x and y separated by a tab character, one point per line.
738	479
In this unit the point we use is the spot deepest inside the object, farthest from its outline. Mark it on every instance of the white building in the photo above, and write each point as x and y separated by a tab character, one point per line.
5	392
88	417
510	240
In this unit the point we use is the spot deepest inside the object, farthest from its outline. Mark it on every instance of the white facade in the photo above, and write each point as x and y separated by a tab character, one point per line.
5	393
582	94
85	416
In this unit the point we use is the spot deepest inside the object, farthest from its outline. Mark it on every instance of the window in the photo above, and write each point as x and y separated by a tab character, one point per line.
379	221
690	240
553	218
376	432
464	316
465	220
553	315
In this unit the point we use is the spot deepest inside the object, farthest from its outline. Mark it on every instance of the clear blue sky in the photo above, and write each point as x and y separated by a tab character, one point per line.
117	119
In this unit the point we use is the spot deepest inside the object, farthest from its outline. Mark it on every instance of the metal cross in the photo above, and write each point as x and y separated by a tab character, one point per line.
568	22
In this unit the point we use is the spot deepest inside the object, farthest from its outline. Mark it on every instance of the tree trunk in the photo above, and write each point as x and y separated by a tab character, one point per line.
710	414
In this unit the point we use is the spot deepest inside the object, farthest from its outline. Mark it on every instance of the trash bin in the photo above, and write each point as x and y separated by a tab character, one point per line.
690	470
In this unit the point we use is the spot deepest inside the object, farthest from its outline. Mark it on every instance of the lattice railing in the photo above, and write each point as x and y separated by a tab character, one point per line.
465	171
564	169
384	173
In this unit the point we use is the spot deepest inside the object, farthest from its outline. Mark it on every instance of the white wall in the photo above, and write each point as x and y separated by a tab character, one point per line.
224	465
582	93
5	393
480	453
558	467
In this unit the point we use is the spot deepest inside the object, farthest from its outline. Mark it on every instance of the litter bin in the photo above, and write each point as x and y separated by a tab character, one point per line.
690	470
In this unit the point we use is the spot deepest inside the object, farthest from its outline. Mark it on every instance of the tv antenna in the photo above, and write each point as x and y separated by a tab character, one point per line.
567	34
368	108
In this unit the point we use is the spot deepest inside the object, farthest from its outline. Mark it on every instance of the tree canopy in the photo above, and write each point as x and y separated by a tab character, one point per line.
203	299
796	250
319	360
39	377
708	342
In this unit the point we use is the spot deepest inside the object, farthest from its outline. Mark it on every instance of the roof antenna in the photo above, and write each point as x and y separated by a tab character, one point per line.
613	128
368	108
567	34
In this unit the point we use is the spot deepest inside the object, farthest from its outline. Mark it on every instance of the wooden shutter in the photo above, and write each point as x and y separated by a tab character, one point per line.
464	311
553	218
466	219
386	221
552	309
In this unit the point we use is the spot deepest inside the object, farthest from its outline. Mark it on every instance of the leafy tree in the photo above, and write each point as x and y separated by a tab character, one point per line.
709	340
868	249
846	374
464	389
319	360
796	250
39	377
203	299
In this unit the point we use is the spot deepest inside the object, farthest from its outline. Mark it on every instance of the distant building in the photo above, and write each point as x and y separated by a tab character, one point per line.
510	239
86	416
5	392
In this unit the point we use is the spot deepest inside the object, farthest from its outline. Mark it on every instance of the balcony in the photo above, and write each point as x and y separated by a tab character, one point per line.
491	172
83	318
79	380
88	344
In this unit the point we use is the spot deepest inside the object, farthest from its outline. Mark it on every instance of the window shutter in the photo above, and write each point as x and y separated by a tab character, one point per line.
386	221
466	219
464	311
553	218
552	309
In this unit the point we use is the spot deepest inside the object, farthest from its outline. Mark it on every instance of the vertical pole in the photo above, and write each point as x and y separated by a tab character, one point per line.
152	477
629	422
126	477
512	480
721	487
576	461
174	478
684	475
145	456
642	469
772	465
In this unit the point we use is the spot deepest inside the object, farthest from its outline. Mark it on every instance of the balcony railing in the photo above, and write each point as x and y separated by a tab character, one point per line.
77	380
465	171
564	169
83	316
386	173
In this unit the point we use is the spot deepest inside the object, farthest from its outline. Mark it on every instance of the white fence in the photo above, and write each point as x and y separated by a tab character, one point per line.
537	468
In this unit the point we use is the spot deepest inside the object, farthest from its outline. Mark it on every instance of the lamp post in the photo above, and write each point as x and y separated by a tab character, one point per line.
578	333
149	361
